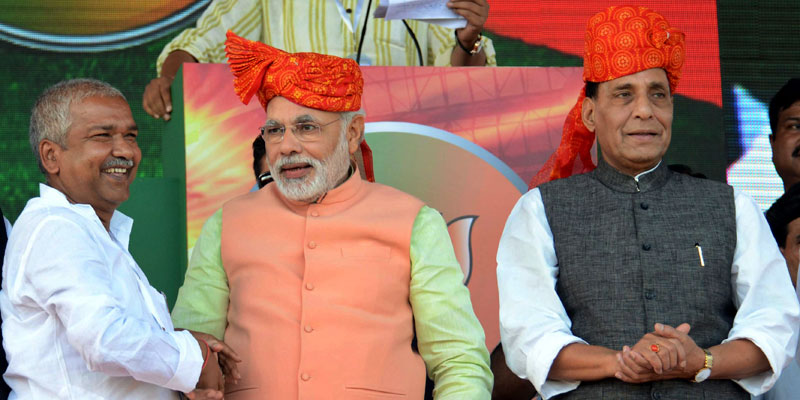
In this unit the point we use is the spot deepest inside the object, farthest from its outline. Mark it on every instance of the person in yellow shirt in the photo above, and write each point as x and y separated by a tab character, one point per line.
334	27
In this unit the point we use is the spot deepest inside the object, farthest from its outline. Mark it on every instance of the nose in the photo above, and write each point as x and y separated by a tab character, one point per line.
124	148
290	144
643	108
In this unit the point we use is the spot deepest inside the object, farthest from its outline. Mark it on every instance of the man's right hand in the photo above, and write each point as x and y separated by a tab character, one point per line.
676	349
221	365
157	100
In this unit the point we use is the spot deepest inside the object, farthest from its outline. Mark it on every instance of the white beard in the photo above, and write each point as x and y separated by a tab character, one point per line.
327	173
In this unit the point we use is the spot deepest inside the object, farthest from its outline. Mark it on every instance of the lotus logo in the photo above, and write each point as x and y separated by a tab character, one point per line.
473	189
84	26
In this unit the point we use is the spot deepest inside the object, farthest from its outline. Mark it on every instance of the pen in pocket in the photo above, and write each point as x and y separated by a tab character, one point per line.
700	254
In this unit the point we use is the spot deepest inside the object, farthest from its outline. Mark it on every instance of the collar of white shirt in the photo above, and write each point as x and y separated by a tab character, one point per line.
120	225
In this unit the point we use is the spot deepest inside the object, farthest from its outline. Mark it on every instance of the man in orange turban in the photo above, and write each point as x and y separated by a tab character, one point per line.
328	285
646	282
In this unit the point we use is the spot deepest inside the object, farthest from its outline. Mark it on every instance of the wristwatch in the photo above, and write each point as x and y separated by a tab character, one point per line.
704	372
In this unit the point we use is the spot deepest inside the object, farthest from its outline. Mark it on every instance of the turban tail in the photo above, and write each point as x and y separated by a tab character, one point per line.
312	80
620	41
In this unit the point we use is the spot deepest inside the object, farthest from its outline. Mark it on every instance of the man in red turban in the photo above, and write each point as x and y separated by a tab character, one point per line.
328	285
646	283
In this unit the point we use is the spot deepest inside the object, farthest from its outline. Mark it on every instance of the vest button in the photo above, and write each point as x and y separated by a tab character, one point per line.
309	286
656	396
644	206
649	294
304	376
645	247
308	329
312	245
315	213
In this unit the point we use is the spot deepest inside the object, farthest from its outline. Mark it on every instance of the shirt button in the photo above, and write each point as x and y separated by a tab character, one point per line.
644	206
649	294
315	213
656	396
309	286
304	376
308	328
312	245
645	247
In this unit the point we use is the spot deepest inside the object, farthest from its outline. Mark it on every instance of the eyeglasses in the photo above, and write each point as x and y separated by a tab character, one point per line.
303	131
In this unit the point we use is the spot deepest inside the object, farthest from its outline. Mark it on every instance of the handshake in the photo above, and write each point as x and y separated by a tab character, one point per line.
220	364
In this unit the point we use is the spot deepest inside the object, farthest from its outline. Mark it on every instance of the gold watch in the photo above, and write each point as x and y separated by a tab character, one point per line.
704	372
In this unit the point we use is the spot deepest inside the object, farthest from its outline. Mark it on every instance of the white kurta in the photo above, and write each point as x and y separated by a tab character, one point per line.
534	325
80	320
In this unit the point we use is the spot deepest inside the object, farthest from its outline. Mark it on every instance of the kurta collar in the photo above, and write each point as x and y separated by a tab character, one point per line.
120	225
645	181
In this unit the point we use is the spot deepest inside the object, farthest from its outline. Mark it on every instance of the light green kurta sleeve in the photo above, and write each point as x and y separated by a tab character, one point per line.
449	336
202	303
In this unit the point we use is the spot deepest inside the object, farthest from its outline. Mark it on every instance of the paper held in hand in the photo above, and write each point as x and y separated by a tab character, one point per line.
430	11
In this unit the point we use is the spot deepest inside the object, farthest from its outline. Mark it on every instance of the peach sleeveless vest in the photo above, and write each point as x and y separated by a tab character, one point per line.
319	304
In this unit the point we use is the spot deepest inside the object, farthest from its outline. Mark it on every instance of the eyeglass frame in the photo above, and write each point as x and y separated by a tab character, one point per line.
303	138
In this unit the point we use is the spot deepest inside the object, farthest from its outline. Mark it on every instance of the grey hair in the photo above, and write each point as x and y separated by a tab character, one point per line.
348	116
51	118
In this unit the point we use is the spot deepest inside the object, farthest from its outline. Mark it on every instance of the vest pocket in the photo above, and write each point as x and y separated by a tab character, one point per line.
361	392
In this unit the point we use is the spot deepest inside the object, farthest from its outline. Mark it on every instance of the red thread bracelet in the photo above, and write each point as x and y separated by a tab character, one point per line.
208	354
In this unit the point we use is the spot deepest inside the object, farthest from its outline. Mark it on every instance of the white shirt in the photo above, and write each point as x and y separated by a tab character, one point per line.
80	320
534	325
788	386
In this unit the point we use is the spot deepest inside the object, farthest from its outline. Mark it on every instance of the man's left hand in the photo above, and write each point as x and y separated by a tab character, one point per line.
635	368
476	12
204	394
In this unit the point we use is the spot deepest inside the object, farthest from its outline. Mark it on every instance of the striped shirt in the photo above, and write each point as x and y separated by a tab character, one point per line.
315	26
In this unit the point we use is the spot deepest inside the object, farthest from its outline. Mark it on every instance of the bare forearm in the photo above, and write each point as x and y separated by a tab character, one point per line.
737	359
174	61
582	362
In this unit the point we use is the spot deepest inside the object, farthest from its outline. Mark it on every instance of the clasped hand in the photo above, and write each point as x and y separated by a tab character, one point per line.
665	353
221	367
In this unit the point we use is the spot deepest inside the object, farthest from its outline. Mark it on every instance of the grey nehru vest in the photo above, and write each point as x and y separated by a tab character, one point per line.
628	258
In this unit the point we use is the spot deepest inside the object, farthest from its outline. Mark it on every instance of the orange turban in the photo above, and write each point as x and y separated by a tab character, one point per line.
620	41
313	80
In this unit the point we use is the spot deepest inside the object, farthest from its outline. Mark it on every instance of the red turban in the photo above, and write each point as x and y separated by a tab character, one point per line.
313	80
620	41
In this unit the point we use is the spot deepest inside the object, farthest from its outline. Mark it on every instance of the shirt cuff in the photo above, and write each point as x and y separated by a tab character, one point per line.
190	364
541	360
760	383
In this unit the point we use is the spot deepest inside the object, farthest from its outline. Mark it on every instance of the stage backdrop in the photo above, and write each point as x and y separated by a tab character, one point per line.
747	48
464	140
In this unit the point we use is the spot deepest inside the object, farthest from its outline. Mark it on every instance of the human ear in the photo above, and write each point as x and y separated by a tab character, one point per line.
50	155
355	133
587	113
